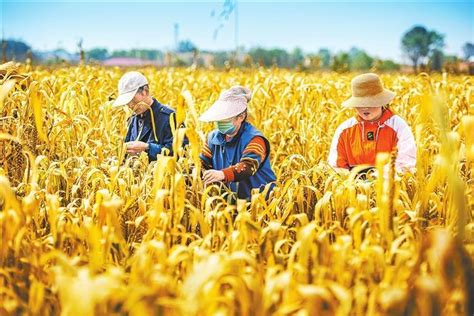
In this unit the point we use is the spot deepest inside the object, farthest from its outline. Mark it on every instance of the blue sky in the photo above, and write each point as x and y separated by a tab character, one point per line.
375	26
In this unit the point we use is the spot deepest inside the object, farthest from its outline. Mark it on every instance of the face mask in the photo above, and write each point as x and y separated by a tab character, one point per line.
225	127
140	107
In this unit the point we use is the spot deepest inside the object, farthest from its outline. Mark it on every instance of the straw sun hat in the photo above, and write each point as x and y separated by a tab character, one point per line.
368	91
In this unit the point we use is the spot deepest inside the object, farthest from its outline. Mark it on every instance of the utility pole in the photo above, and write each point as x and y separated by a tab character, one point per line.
236	30
82	54
176	36
4	48
4	42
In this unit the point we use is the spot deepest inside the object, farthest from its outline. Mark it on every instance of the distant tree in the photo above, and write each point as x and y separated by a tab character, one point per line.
248	61
340	63
436	60
220	58
260	56
296	57
270	57
280	57
120	53
14	50
386	65
98	54
468	50
313	61
418	43
148	54
186	47
156	54
325	56
179	62
451	64
354	51
359	59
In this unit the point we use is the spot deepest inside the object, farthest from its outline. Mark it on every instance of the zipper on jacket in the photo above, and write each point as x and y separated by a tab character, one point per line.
140	128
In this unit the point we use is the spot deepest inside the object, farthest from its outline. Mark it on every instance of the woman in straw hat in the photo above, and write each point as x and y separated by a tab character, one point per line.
373	130
235	153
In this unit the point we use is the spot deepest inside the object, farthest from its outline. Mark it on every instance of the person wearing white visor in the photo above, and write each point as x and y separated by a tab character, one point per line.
149	128
236	153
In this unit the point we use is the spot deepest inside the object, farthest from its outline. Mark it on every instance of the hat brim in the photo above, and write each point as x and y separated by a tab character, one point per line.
124	98
373	101
220	111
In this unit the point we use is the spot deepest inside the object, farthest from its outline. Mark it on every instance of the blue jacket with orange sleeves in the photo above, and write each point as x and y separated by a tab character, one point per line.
228	153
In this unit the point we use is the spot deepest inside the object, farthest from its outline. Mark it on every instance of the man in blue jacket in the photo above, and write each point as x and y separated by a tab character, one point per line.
149	129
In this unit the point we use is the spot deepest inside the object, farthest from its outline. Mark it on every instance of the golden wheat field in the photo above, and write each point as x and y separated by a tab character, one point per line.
85	231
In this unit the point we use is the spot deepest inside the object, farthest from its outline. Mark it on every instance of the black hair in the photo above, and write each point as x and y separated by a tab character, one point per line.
143	88
245	113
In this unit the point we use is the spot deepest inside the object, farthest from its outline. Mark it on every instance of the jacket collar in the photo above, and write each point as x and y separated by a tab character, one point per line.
147	124
155	107
386	114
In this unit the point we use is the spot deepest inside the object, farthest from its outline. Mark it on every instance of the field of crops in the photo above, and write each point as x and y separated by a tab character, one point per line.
85	231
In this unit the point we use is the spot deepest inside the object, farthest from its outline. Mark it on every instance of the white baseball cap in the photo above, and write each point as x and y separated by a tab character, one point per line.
128	86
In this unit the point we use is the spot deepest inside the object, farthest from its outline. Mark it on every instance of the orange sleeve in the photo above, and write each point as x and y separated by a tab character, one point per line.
253	155
342	161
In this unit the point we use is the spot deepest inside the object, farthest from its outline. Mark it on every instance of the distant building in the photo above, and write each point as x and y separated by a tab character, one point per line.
407	69
467	66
